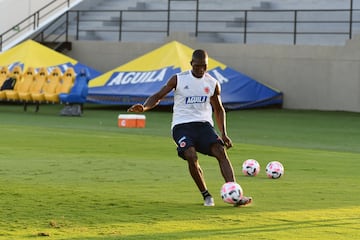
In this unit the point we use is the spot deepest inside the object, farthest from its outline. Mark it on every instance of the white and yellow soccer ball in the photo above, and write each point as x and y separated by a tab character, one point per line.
250	167
274	169
231	192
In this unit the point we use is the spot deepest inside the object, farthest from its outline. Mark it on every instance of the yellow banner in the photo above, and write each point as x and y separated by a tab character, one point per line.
171	54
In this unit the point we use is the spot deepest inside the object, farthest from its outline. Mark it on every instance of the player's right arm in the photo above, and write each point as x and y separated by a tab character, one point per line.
155	99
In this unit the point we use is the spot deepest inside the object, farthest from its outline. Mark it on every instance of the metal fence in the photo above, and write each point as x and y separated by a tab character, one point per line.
333	26
33	22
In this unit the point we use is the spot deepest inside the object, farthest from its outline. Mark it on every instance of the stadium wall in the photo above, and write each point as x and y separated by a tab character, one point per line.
311	77
15	11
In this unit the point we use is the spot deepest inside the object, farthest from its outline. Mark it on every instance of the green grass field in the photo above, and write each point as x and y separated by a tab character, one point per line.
85	178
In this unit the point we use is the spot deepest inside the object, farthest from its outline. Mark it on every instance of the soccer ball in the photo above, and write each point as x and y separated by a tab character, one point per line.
231	192
274	170
251	167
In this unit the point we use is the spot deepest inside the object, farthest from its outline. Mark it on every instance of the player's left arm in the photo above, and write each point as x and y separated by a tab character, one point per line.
220	115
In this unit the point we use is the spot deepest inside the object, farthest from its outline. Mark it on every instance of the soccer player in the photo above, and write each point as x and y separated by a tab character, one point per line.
196	97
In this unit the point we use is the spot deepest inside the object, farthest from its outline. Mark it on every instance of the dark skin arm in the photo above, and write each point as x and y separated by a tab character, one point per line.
154	99
220	116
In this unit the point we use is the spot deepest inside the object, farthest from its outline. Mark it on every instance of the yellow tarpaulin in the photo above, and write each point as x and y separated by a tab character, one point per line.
31	53
171	54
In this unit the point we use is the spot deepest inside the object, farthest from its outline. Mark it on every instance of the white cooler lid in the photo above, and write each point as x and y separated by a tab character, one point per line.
131	116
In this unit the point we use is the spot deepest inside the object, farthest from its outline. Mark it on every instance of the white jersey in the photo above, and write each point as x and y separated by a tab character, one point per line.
192	98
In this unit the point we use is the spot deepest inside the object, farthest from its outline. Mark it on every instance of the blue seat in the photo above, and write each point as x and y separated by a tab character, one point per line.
77	95
79	91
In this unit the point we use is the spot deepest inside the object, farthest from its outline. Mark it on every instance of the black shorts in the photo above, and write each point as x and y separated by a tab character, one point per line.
200	135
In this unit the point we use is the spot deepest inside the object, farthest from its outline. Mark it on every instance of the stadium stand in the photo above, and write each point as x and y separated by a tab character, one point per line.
218	21
269	21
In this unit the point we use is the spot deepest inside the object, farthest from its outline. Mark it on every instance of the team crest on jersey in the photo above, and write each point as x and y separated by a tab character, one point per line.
207	90
195	99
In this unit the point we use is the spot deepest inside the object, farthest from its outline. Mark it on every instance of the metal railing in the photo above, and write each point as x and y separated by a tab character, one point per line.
235	26
33	22
240	26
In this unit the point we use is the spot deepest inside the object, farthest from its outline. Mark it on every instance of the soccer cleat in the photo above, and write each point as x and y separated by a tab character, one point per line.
209	201
243	201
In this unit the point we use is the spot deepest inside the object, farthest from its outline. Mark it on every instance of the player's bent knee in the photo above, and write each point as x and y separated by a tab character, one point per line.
217	149
190	154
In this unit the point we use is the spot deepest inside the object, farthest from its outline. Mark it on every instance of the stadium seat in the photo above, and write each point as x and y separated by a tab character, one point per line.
4	74
70	72
17	74
75	99
17	71
35	87
49	86
65	84
23	85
